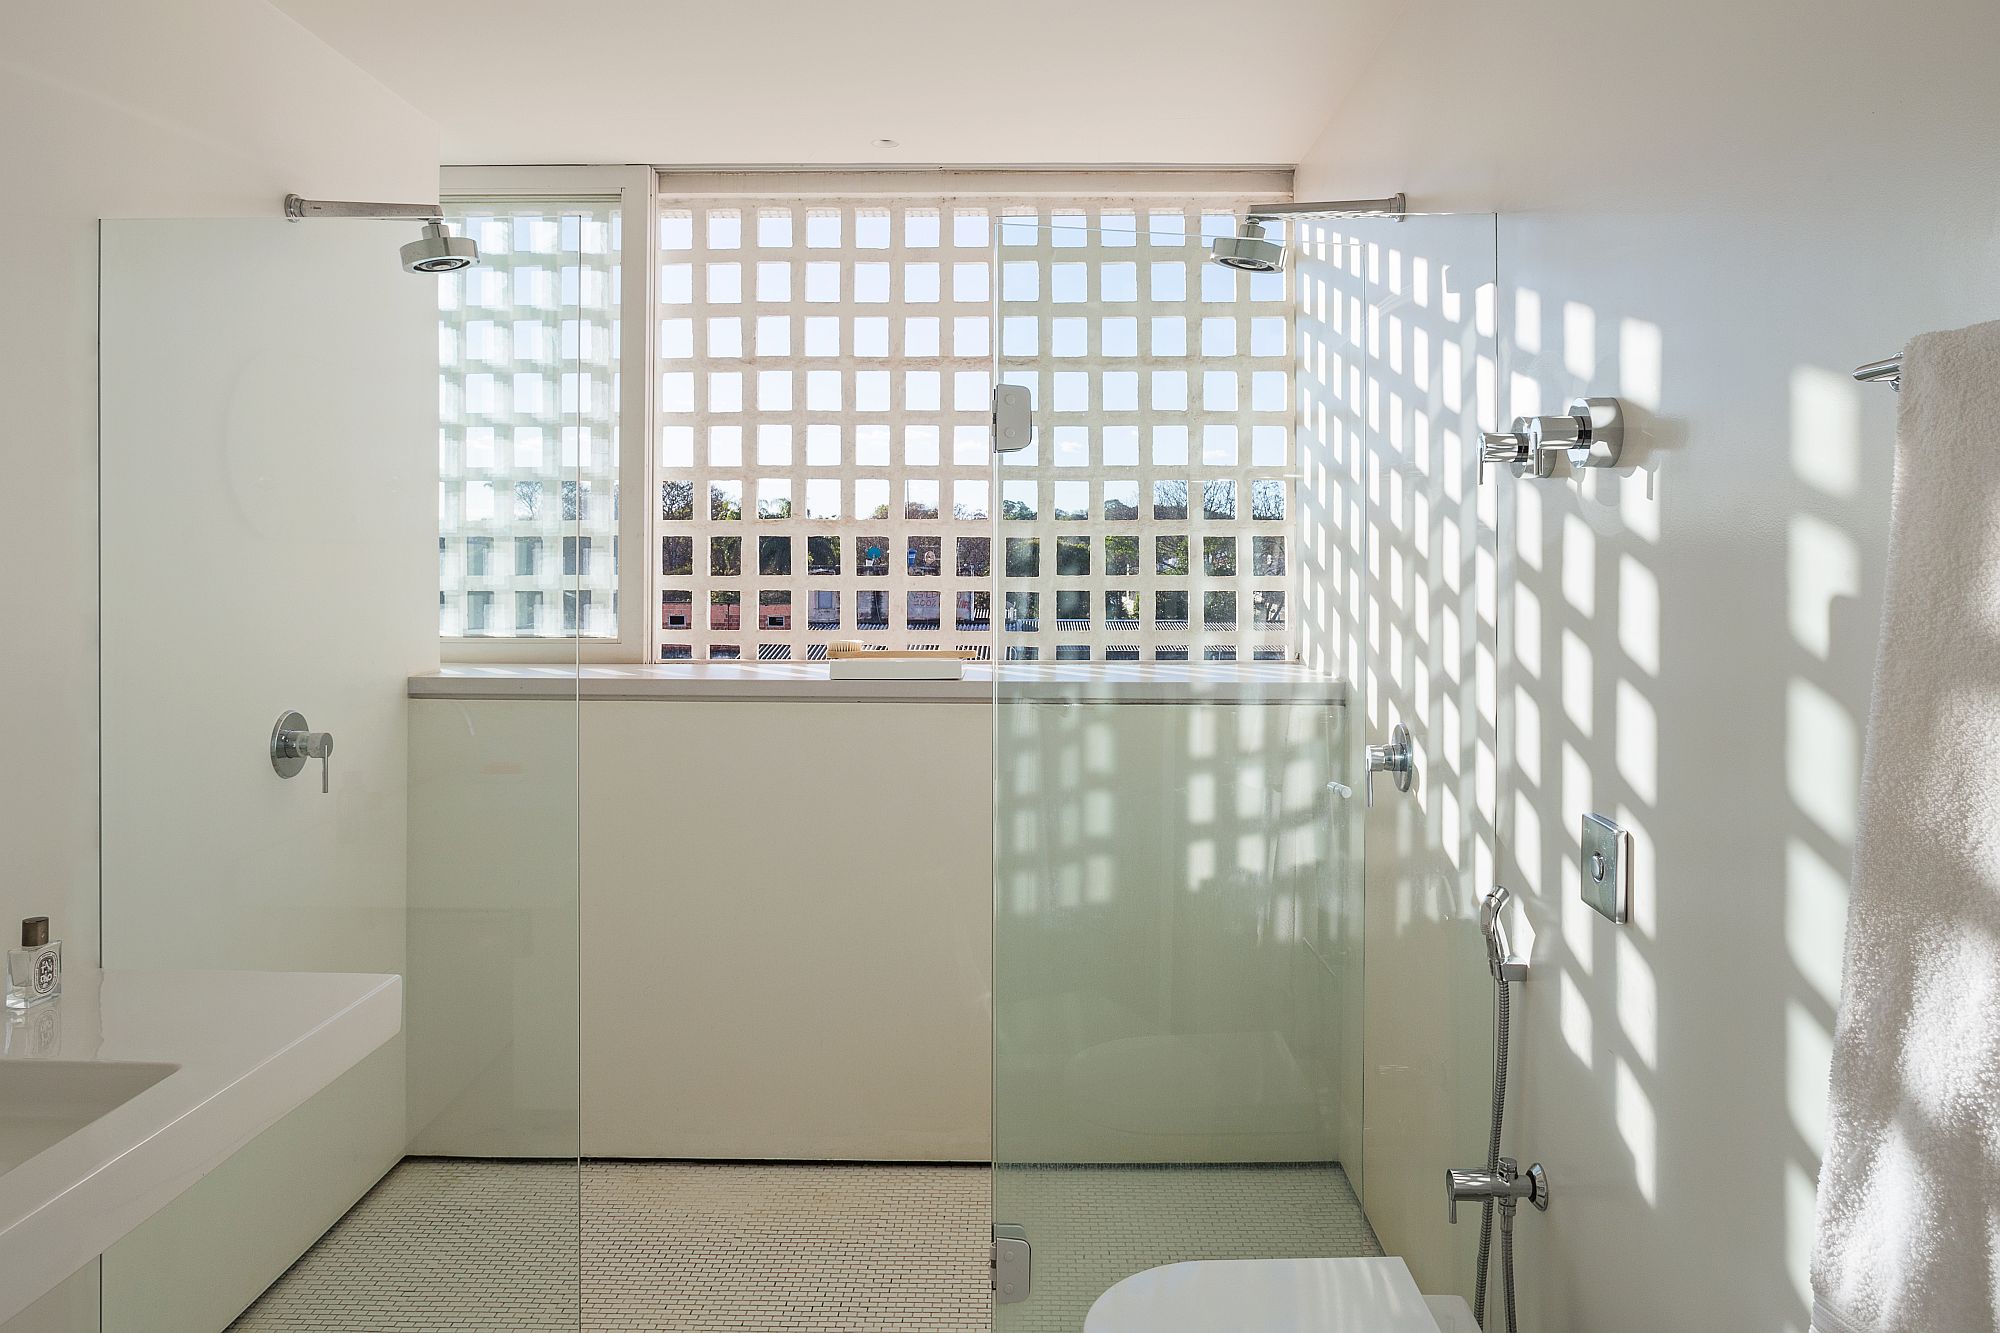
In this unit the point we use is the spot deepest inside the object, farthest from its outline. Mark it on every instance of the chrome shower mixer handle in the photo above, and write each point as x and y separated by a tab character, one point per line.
1592	435
293	743
1396	759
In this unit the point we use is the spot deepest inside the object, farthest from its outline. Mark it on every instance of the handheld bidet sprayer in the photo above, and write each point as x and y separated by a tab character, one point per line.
1501	960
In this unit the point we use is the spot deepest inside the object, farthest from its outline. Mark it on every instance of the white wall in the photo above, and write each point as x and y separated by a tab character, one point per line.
117	108
1713	211
492	1008
207	108
786	929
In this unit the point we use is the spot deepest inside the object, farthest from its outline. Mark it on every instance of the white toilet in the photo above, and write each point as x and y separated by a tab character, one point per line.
1276	1296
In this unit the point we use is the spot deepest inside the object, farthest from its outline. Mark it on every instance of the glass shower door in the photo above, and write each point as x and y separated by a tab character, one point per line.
1177	966
1399	372
314	466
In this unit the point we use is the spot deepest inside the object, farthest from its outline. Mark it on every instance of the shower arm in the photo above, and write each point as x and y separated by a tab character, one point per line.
1395	207
297	208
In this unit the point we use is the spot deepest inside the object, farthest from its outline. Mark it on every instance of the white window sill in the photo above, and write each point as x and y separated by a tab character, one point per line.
762	682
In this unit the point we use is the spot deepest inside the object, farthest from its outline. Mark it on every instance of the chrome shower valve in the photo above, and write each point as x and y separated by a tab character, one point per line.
1591	435
1509	447
1506	1186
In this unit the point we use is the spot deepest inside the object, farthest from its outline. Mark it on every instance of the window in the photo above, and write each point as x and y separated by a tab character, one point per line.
825	372
819	465
527	449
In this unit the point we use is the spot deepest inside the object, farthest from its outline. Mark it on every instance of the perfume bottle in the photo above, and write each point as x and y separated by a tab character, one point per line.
34	971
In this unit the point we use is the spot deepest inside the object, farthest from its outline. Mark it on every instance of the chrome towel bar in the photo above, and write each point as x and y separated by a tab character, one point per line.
1888	372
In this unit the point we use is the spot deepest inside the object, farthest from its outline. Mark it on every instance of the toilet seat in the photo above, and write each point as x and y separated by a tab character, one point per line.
1265	1296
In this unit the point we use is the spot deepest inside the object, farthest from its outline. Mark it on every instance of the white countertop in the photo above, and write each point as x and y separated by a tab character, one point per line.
1080	682
246	1048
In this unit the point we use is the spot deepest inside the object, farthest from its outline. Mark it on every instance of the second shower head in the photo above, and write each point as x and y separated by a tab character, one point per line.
435	251
1250	250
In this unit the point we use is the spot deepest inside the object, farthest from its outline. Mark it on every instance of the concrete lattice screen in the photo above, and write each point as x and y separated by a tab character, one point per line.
826	371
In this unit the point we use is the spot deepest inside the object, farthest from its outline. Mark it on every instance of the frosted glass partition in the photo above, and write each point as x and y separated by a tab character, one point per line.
271	542
1178	963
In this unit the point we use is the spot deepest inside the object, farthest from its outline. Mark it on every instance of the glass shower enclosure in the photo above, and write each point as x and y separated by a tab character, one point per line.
277	453
1219	573
1246	540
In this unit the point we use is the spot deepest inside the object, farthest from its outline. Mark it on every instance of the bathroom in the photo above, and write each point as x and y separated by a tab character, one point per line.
490	900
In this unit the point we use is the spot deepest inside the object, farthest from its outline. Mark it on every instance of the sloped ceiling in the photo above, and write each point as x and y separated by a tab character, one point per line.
824	81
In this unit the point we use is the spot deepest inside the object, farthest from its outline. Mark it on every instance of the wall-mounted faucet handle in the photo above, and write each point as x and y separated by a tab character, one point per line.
293	743
1506	1186
1538	1187
1592	434
1396	759
1510	447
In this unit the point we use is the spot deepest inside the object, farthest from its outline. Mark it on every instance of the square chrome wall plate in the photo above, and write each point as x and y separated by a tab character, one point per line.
1607	868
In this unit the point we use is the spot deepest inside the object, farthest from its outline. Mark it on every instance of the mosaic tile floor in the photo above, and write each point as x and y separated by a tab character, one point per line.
1092	1225
693	1247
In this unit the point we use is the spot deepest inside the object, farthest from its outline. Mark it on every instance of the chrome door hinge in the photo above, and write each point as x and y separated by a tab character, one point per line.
1013	418
1013	1264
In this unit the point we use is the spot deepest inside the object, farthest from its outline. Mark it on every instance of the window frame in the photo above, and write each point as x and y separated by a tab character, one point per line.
633	189
638	192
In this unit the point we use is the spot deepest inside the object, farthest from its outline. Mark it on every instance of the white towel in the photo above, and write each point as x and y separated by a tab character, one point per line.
1909	1191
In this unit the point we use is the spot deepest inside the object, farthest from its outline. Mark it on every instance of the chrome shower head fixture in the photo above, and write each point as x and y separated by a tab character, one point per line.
1249	250
1252	251
435	251
438	251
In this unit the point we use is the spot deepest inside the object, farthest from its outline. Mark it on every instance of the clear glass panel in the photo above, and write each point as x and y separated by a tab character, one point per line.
270	410
1185	563
1406	311
1174	946
528	410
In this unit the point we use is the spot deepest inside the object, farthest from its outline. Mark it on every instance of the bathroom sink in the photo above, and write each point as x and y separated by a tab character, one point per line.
43	1102
134	1085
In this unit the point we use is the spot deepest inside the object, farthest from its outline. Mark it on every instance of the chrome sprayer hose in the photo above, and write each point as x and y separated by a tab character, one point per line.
1500	1018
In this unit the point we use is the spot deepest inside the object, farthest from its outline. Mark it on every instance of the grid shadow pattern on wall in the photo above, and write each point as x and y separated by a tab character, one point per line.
1398	373
825	392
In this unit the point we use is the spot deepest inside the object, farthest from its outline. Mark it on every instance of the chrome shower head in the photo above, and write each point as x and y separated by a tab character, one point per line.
1250	250
438	251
